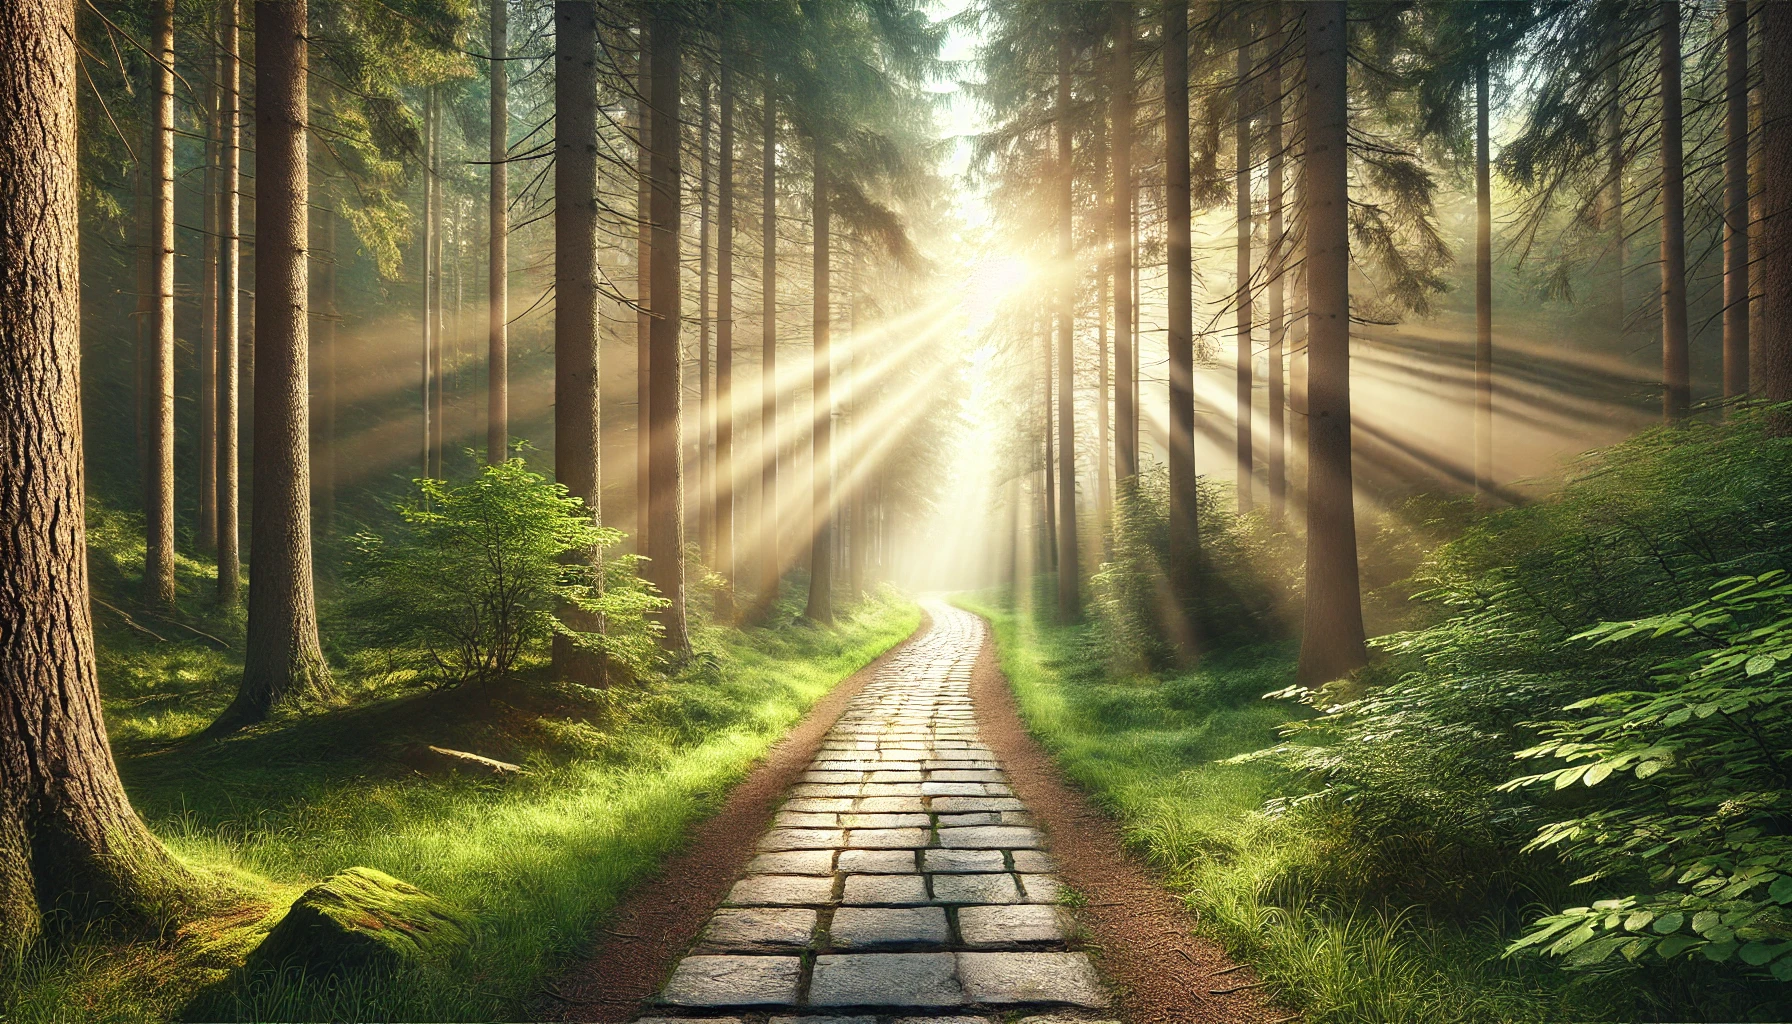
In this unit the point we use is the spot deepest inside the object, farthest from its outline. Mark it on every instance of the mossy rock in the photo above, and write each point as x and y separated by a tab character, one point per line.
360	921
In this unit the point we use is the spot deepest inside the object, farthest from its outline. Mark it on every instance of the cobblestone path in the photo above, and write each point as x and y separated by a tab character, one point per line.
901	879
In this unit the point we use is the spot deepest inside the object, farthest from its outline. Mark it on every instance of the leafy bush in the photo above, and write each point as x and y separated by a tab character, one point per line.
480	570
1691	783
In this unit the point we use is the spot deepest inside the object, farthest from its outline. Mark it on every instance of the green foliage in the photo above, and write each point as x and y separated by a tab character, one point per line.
481	571
1690	785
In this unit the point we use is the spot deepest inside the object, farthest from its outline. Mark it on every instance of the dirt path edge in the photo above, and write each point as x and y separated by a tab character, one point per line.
1142	937
659	919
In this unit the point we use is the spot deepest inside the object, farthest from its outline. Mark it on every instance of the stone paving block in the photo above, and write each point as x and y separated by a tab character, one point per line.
805	819
894	775
879	927
961	860
973	818
1033	861
964	775
1010	925
1004	978
997	789
878	862
889	838
822	805
960	764
872	889
975	889
822	1020
857	820
758	930
936	1020
886	979
819	775
890	805
954	789
891	789
802	839
781	889
953	804
793	862
825	789
1042	888
688	1020
734	981
1016	818
991	837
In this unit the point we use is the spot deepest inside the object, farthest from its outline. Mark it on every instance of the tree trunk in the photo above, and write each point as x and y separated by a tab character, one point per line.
1185	548
576	274
706	539
438	415
1277	262
859	487
643	296
206	536
1776	214
724	556
665	495
1069	595
1048	493
1126	434
497	355
771	567
1483	294
1241	359
1615	171
821	459
158	496
323	445
283	659
1736	298
1332	643
229	290
1676	373
69	841
425	262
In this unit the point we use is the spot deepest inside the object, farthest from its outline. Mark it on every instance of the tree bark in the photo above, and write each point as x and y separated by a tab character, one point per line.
643	296
1483	294
725	416
820	607
283	658
1242	356
1048	494
771	566
158	496
665	495
1069	584
577	424
1615	171
1332	643
1736	292
426	261
858	490
1185	546
1776	214
497	354
229	290
1278	282
706	540
438	416
206	536
1126	433
323	444
1676	372
69	841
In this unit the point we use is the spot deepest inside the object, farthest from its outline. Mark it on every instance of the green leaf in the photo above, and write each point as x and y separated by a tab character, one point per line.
1755	953
1782	968
1597	774
1718	952
1567	776
1706	921
1759	665
1638	920
1669	922
1781	889
1674	945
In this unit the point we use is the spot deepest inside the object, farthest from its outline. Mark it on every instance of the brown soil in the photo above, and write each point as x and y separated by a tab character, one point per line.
659	920
1143	938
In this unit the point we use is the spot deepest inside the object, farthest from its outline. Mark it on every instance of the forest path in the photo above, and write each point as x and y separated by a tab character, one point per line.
901	878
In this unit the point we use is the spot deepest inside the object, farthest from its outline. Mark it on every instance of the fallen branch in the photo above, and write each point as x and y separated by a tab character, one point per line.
1236	988
133	623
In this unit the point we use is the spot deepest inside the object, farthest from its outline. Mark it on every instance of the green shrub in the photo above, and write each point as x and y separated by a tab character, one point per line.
479	571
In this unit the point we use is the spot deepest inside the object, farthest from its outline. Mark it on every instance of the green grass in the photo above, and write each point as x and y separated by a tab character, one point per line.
615	781
1150	750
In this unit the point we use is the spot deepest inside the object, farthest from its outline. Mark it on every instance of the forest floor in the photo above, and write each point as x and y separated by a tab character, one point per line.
1152	751
613	783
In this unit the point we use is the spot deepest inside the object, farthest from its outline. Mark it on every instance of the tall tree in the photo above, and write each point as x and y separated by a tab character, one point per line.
1069	576
643	294
1332	642
576	276
229	290
69	840
1048	494
1676	362
665	494
283	659
1483	291
438	336
323	386
206	535
426	260
1126	433
158	495
725	411
497	388
1776	209
771	565
1184	548
1242	357
1736	227
705	402
1277	262
820	607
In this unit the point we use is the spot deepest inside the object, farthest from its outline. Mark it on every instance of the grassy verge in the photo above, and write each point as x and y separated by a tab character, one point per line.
1151	750
615	780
